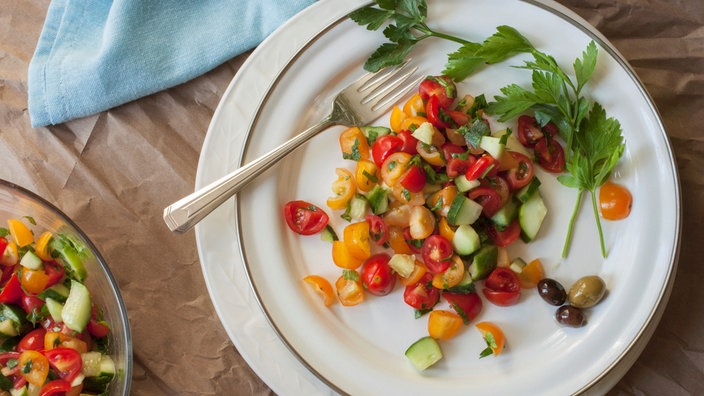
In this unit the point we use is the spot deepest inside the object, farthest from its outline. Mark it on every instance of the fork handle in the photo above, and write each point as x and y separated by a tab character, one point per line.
183	214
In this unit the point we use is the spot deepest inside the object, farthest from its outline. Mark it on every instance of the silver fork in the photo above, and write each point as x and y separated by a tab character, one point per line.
358	104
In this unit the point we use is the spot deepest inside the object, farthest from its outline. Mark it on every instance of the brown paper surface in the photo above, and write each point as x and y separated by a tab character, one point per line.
114	172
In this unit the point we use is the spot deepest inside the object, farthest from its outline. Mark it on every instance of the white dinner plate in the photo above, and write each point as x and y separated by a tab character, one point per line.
253	264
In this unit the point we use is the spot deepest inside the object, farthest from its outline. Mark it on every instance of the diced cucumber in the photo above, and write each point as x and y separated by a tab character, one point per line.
531	215
463	211
328	234
512	143
106	372
424	133
403	264
465	286
17	318
378	199
76	312
424	353
526	192
517	265
91	363
107	367
466	240
68	256
464	185
21	391
483	262
356	208
8	329
58	292
55	309
31	261
492	145
506	214
374	132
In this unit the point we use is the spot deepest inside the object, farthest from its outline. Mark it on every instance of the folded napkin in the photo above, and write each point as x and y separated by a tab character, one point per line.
96	54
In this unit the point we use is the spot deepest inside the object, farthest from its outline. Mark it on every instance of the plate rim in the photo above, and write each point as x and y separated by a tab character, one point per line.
635	347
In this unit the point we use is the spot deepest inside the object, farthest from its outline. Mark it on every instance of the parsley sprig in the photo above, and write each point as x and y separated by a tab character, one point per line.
594	142
406	27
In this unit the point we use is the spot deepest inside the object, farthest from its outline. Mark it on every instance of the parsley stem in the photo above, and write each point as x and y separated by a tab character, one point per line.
598	223
570	227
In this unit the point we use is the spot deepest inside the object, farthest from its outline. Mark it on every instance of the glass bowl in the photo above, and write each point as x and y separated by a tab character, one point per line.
17	202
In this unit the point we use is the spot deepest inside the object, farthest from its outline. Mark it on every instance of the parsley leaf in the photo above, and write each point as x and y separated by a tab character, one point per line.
405	27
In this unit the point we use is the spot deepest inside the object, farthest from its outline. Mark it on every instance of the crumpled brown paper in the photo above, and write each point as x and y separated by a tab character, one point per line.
113	173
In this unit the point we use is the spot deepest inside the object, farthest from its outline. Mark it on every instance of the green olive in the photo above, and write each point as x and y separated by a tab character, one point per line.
586	292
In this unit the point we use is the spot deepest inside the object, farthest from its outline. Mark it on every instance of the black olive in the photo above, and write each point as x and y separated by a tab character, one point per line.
552	291
570	316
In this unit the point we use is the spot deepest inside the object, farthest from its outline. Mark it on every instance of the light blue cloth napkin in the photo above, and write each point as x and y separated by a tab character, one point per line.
93	55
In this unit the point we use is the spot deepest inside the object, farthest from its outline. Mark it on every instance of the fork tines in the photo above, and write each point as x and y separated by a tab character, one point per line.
389	84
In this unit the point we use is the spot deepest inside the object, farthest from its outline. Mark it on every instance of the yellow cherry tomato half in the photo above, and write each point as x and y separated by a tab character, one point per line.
531	274
411	123
344	189
398	242
322	287
422	222
10	256
430	154
34	281
419	269
414	106
441	200
41	248
493	336
60	340
354	144
34	367
395	166
366	175
443	324
349	288
397	117
342	257
615	201
445	229
451	276
356	238
21	234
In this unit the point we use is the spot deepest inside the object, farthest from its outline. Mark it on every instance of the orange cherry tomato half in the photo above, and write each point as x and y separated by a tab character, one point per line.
443	324
344	189
354	144
322	287
531	274
33	281
494	338
356	238
342	257
366	175
615	201
349	288
35	367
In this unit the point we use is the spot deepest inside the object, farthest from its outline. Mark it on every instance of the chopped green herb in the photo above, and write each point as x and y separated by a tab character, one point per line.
350	275
354	155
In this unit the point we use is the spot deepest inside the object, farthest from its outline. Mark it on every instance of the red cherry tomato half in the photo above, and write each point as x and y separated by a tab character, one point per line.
55	388
377	276
488	198
34	340
66	361
409	142
522	174
468	306
437	253
384	146
98	329
550	155
506	236
422	295
502	299
31	303
378	230
441	87
530	133
305	218
12	291
484	166
500	185
54	271
503	279
414	179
